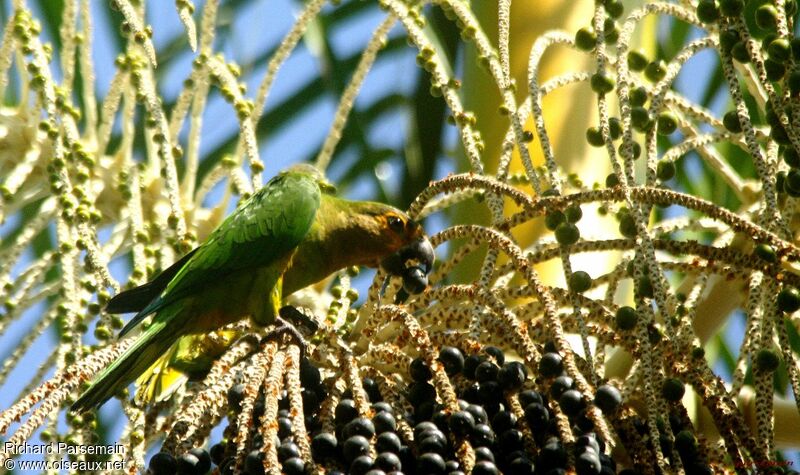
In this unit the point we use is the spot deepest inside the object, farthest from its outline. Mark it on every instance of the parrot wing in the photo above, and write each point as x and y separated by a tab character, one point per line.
134	300
267	227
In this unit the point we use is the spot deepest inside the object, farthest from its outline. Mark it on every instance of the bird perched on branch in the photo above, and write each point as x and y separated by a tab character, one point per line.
291	233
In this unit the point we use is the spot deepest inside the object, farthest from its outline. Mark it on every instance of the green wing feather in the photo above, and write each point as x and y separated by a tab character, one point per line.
134	300
263	230
266	228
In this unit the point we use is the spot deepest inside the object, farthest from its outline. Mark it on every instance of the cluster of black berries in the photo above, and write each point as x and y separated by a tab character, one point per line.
483	419
195	461
222	453
491	377
347	450
362	445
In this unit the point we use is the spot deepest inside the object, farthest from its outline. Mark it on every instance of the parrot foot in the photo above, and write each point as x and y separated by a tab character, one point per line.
299	321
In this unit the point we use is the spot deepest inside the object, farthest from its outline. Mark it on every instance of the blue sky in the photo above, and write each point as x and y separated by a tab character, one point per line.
254	30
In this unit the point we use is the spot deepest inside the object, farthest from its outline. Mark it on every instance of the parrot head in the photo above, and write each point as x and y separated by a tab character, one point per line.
414	259
388	238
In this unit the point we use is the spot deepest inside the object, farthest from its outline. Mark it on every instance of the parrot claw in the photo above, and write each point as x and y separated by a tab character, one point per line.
301	327
301	320
286	328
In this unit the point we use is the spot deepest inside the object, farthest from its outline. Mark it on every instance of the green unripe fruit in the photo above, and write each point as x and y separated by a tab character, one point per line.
790	7
686	443
792	182
595	137
739	52
767	16
731	122
665	170
772	117
788	299
794	82
573	213
707	11
637	61
766	252
655	71
625	318
580	281
672	389
667	123
615	9
102	333
638	96
601	83
778	134
780	181
791	157
780	50
640	119
630	268
585	39
775	69
567	234
627	226
553	219
727	39
767	360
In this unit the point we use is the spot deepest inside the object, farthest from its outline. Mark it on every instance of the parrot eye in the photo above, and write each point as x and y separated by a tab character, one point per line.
395	223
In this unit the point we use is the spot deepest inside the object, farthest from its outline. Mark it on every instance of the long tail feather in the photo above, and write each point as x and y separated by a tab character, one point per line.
149	347
136	299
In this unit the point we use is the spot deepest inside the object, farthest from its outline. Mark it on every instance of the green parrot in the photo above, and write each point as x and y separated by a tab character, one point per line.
291	233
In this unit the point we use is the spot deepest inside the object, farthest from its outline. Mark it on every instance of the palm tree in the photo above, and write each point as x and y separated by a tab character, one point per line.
611	212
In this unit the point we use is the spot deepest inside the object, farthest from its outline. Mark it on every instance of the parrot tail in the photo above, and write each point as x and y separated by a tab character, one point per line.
148	348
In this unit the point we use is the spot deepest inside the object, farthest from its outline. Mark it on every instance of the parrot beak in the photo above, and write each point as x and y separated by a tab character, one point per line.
413	263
